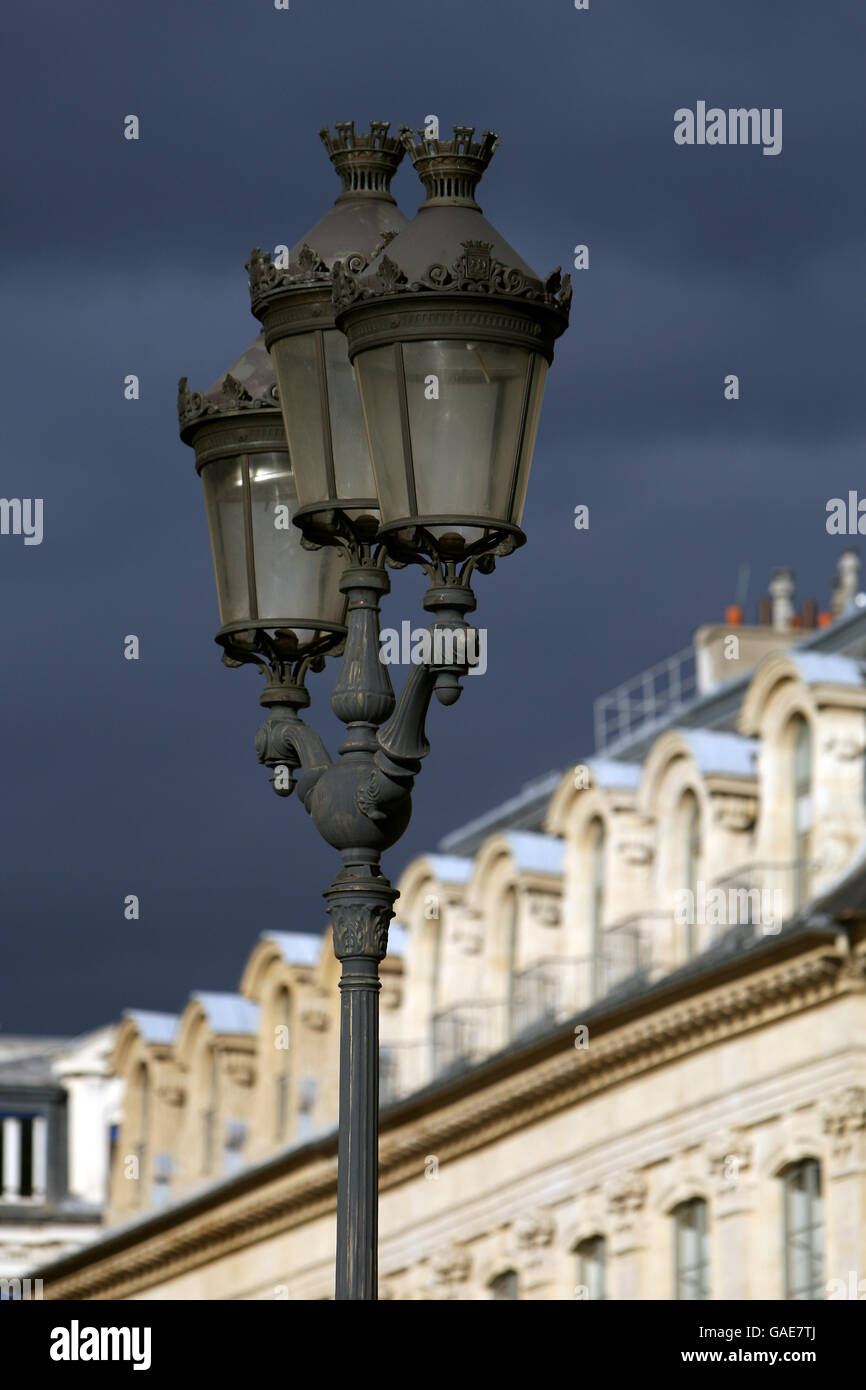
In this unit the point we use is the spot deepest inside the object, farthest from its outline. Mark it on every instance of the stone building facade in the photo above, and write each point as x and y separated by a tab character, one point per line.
623	1029
60	1108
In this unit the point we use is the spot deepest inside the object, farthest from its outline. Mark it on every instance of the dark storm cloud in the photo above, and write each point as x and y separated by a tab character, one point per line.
126	777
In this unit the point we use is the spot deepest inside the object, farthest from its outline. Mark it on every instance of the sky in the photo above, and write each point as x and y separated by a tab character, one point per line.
139	777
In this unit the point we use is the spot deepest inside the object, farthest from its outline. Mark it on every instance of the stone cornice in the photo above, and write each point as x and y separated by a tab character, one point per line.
514	1090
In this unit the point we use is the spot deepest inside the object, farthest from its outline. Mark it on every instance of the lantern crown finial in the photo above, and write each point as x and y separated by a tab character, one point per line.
450	170
365	160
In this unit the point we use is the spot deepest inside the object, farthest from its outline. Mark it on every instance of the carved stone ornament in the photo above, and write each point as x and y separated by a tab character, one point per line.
844	1116
634	850
315	1017
626	1195
845	750
534	1229
735	812
451	1265
728	1153
468	933
172	1095
242	1072
476	272
360	929
194	405
390	997
547	911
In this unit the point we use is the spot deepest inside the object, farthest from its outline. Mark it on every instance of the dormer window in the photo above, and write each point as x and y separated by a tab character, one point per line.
800	743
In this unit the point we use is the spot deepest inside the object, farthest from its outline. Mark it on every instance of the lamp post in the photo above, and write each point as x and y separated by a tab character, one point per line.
425	461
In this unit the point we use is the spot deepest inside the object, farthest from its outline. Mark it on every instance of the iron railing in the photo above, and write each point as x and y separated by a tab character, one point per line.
465	1033
761	897
656	693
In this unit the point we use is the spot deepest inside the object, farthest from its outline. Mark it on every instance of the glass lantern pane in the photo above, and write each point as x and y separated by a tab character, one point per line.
353	470
465	402
291	582
224	503
296	364
378	383
533	415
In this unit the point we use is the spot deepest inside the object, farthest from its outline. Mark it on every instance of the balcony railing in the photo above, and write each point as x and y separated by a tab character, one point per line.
639	948
757	898
636	952
640	702
553	989
465	1033
404	1067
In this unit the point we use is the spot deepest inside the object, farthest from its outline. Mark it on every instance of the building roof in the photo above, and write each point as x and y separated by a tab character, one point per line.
153	1027
296	947
609	772
450	868
827	668
228	1013
526	811
721	753
541	854
829	655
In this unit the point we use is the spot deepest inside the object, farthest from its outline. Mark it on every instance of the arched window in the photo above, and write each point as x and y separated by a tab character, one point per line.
691	1250
595	856
800	743
804	1230
210	1115
592	1267
143	1143
505	1285
510	926
282	1075
690	841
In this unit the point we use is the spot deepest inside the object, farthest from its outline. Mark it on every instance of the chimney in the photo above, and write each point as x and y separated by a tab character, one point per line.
847	583
782	596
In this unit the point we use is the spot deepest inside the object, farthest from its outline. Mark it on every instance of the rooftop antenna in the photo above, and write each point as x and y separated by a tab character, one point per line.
743	576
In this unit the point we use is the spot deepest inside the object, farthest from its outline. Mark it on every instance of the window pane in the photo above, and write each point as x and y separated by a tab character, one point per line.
804	1231
691	1250
591	1266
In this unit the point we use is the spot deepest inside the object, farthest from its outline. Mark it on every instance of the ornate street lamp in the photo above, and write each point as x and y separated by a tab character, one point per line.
336	491
450	334
280	605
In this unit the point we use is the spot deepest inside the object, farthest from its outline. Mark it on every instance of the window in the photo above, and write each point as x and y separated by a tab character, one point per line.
211	1114
690	824
505	1285
801	803
234	1139
161	1174
691	1250
309	1090
143	1137
511	922
592	1266
804	1230
595	846
23	1157
282	1043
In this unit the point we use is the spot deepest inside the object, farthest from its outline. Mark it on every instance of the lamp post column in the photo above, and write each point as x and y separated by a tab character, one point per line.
360	904
360	915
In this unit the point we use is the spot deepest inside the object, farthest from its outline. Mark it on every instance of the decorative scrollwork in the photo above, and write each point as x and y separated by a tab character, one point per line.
476	271
360	929
232	396
265	278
